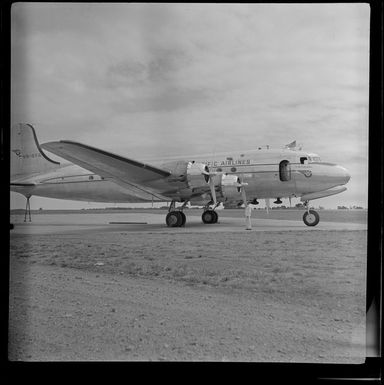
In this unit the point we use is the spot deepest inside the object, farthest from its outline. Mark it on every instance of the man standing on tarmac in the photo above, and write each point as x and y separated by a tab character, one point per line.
248	213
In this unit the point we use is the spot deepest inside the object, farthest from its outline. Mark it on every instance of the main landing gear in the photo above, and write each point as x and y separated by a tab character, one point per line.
310	217
175	218
209	216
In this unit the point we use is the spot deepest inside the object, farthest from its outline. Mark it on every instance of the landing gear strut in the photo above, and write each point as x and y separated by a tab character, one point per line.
310	217
175	218
27	209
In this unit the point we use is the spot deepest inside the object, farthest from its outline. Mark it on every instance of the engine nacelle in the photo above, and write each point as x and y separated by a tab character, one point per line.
197	175
192	181
230	188
188	178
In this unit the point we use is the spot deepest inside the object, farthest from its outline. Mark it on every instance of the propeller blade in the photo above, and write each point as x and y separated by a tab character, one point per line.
213	191
243	194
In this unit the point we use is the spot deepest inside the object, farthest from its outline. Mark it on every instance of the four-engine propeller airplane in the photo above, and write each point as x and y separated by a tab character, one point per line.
236	178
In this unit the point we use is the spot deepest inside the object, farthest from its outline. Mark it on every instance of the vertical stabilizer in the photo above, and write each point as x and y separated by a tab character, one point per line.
27	157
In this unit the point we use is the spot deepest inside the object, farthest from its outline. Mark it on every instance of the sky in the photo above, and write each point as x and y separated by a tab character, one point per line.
160	80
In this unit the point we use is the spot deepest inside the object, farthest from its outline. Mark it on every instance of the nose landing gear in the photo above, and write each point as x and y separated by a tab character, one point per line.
310	217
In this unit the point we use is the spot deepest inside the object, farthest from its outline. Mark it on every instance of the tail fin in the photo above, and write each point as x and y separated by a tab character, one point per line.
27	157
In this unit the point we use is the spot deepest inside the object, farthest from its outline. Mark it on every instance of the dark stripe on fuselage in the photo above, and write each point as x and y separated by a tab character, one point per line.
67	176
75	181
254	164
324	163
111	180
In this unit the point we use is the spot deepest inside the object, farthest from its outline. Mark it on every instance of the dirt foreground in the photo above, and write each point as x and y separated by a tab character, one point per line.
267	296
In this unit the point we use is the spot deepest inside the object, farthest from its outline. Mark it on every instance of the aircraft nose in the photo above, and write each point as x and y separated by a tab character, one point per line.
345	176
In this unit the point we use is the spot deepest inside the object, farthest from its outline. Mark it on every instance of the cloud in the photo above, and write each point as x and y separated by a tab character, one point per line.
156	79
166	99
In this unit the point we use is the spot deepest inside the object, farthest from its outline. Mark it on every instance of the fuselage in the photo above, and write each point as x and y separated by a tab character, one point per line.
268	173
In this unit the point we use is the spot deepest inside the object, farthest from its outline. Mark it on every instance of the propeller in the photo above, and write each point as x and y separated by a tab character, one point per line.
209	175
241	184
212	187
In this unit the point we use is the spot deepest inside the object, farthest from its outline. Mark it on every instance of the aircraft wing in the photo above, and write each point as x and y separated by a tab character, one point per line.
126	172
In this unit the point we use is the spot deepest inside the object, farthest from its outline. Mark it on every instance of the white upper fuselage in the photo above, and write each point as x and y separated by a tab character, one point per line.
269	173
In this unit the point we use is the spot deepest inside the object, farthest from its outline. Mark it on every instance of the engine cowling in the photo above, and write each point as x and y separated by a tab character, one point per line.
193	181
188	177
197	175
230	188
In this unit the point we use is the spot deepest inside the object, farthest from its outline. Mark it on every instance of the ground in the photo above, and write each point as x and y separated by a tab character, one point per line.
95	291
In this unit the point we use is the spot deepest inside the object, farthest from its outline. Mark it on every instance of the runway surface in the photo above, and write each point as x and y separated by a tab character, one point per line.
67	223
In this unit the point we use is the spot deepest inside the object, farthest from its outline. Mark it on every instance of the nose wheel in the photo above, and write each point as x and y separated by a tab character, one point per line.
311	218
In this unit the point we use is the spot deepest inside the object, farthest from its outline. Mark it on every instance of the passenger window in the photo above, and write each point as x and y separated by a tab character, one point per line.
304	160
285	171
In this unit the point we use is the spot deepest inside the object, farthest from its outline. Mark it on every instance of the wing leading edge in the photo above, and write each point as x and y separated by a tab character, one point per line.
128	173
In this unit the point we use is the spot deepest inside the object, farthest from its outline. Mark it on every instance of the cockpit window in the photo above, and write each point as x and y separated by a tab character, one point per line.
314	158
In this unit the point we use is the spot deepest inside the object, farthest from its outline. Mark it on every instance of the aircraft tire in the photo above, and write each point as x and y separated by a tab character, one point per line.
174	219
311	218
183	219
209	217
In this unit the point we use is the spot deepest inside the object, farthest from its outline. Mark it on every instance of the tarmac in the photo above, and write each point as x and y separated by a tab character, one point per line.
149	222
